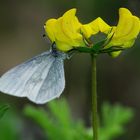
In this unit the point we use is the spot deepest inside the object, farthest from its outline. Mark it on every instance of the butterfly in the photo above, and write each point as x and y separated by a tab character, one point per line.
40	79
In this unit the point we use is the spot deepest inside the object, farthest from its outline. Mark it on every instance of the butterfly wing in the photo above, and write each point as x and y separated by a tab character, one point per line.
36	79
54	83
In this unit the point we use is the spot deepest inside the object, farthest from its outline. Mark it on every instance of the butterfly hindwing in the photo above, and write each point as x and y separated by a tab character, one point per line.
54	83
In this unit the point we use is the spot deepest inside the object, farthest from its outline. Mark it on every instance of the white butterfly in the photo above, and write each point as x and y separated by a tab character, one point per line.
40	79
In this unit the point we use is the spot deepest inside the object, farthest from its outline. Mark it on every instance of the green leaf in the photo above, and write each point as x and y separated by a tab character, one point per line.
58	124
3	110
113	120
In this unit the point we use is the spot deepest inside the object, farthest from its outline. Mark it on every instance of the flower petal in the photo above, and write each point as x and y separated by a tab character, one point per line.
50	30
97	25
125	33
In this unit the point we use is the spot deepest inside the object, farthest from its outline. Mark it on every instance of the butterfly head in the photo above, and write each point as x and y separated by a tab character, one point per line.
56	53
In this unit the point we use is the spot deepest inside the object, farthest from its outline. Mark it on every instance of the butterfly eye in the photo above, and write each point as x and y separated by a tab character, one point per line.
44	35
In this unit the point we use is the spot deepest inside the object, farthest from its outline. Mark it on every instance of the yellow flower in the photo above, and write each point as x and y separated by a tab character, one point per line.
92	28
125	33
67	32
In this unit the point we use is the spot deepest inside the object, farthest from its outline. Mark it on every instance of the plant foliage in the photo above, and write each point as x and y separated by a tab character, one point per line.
57	123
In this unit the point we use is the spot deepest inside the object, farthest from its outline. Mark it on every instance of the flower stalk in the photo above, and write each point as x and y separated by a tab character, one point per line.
94	98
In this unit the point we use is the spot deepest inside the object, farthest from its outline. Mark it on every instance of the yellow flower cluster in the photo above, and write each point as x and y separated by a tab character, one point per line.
68	33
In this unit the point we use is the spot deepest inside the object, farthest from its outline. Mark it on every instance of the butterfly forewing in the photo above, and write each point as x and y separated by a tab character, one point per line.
28	79
15	79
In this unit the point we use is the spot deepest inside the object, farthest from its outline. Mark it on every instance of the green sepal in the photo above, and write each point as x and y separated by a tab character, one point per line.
112	49
98	45
85	50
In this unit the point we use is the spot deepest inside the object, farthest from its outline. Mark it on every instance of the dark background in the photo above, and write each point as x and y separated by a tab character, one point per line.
21	30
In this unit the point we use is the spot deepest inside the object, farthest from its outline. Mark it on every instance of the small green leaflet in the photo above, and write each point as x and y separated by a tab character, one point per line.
3	110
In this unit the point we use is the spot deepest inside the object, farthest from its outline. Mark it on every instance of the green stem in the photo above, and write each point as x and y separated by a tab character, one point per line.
94	99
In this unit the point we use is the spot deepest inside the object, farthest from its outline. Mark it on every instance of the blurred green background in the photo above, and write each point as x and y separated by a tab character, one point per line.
21	37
